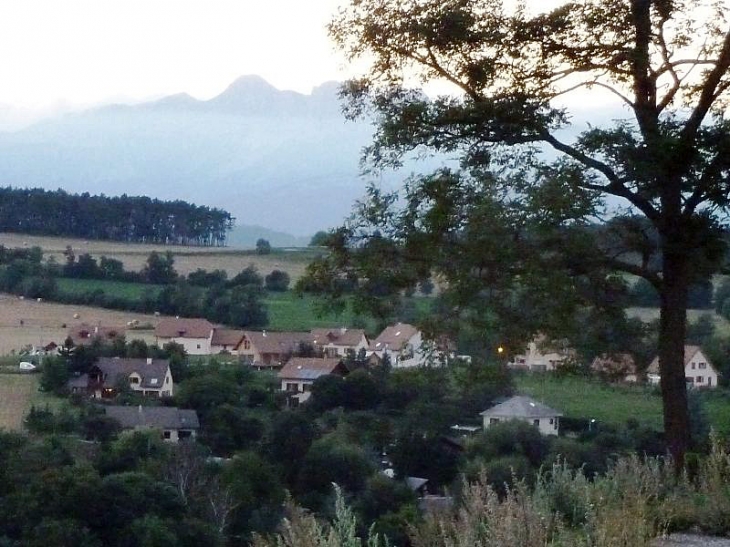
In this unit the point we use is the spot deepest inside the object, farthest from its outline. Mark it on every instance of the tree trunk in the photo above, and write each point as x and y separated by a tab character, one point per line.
672	327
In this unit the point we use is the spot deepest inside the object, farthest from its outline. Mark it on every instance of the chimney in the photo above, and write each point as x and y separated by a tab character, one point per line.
96	330
149	360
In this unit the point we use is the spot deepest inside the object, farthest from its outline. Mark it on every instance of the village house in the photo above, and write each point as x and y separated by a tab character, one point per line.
698	371
85	334
526	409
195	335
298	375
404	346
174	423
149	377
616	367
338	342
542	356
225	341
267	350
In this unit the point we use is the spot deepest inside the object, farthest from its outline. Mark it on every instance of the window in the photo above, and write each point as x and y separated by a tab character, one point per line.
153	381
536	423
693	366
307	387
134	380
700	379
167	379
246	344
493	421
690	380
166	434
702	365
551	421
292	387
197	346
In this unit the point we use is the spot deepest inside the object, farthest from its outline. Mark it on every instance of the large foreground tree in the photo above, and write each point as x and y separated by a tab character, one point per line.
662	173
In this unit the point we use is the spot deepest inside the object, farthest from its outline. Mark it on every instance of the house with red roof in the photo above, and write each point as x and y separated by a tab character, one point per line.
195	335
339	342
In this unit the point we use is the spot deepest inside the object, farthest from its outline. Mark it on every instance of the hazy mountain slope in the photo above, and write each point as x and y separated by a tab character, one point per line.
277	159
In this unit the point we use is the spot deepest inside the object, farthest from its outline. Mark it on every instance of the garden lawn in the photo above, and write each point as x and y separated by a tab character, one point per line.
580	397
17	393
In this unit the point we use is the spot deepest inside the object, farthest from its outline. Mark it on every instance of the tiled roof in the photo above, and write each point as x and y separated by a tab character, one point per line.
689	353
615	363
394	337
338	337
158	417
226	337
308	368
521	407
84	333
152	373
277	342
183	328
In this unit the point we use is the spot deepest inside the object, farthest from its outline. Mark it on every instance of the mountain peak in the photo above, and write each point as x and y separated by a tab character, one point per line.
249	84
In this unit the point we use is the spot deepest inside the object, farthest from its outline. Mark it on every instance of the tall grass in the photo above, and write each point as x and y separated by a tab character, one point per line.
636	501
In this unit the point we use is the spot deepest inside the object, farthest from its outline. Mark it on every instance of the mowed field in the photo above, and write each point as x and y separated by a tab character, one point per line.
43	322
187	259
17	393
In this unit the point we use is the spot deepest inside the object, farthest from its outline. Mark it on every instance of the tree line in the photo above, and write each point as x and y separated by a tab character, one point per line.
238	301
133	219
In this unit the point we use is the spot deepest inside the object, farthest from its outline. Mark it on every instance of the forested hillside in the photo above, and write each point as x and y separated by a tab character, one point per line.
121	218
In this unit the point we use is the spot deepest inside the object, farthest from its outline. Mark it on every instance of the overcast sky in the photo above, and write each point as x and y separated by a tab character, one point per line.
89	51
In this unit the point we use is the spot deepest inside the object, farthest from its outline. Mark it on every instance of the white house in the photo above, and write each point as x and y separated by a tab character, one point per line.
195	335
405	347
337	342
526	409
541	356
698	371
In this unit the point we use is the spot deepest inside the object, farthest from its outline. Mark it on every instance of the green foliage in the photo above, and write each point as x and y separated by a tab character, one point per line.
263	247
277	281
54	374
159	269
332	460
319	239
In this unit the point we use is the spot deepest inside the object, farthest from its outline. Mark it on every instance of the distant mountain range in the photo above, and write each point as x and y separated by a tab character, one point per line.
277	159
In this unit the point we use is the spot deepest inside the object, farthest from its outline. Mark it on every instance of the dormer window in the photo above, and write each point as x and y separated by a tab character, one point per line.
153	381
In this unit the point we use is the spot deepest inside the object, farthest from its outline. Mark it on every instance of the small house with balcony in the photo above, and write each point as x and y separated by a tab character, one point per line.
106	377
298	375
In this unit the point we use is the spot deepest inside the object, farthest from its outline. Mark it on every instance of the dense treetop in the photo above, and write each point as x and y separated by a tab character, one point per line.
118	218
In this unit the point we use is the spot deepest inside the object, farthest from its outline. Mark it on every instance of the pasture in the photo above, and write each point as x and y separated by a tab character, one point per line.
17	393
43	322
187	259
587	398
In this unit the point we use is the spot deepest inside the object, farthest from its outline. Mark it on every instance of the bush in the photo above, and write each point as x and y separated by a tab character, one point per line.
277	281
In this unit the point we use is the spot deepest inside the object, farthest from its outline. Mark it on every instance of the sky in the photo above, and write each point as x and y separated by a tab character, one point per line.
83	52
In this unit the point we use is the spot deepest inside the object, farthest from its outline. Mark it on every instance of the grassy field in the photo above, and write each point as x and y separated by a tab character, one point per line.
44	322
116	288
583	398
17	393
615	404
